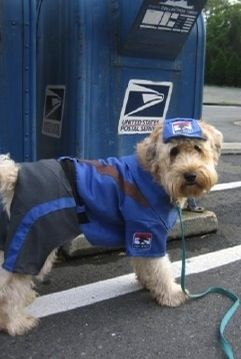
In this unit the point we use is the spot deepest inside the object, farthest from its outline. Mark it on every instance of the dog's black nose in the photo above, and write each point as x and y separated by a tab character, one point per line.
190	177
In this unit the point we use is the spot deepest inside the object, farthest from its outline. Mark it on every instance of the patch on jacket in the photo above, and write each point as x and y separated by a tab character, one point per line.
142	240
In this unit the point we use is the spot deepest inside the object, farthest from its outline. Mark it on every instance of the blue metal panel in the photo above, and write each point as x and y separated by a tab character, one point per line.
79	48
17	78
59	61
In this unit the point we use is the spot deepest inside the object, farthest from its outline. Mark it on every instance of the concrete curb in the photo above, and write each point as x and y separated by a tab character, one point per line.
229	104
231	148
194	224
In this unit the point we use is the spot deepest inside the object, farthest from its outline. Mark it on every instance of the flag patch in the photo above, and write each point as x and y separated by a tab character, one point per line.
182	127
142	240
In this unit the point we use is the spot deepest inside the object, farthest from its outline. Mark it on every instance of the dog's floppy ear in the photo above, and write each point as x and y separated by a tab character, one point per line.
147	149
214	136
154	138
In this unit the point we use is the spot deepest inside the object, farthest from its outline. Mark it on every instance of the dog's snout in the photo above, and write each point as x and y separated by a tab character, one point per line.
190	177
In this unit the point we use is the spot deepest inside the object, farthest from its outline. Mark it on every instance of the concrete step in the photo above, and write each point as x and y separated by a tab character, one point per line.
194	224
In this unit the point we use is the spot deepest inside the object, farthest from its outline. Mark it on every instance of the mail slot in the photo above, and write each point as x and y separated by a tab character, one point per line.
109	71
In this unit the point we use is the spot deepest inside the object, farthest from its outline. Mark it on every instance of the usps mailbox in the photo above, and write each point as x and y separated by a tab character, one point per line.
17	78
108	71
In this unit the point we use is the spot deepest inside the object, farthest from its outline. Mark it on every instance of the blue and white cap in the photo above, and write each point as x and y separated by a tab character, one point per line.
182	128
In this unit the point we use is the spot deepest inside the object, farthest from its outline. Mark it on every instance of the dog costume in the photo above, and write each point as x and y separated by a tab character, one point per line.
125	208
114	202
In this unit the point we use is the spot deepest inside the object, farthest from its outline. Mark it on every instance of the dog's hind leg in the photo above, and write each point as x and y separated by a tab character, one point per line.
16	291
47	265
157	276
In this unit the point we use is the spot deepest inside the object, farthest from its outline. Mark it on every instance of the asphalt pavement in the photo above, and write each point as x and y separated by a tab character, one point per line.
132	325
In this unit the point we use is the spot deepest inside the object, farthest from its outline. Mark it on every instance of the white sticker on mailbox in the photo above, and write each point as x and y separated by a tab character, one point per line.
170	15
145	105
53	110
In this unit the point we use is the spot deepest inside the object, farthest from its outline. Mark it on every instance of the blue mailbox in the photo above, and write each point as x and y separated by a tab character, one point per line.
17	78
109	70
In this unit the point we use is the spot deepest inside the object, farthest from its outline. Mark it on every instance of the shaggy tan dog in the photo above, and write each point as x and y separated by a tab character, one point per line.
183	167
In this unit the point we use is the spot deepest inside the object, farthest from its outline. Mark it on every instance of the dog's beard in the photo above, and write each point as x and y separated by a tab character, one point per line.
177	187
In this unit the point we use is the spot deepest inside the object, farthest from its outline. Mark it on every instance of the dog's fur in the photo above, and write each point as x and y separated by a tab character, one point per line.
184	167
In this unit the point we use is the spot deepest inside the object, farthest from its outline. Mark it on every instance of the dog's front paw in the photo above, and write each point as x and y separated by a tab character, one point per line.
173	297
21	324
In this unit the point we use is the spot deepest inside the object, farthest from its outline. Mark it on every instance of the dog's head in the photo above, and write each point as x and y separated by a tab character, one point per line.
184	166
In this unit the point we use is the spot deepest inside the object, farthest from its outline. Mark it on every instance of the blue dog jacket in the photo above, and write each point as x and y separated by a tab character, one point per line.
182	127
124	206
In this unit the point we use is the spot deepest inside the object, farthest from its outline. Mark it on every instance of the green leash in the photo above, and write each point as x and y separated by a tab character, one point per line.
226	346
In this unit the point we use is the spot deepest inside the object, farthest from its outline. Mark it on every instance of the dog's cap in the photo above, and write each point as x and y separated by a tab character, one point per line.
182	128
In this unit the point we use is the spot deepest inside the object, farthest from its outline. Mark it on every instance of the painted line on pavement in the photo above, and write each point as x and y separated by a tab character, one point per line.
225	186
107	289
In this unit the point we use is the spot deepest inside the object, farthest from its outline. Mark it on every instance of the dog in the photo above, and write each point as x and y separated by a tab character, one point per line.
128	201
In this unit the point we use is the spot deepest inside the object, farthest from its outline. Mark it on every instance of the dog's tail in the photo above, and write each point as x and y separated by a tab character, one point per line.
8	178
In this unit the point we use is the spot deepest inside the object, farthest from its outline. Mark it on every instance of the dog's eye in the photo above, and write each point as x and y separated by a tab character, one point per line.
174	152
198	149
